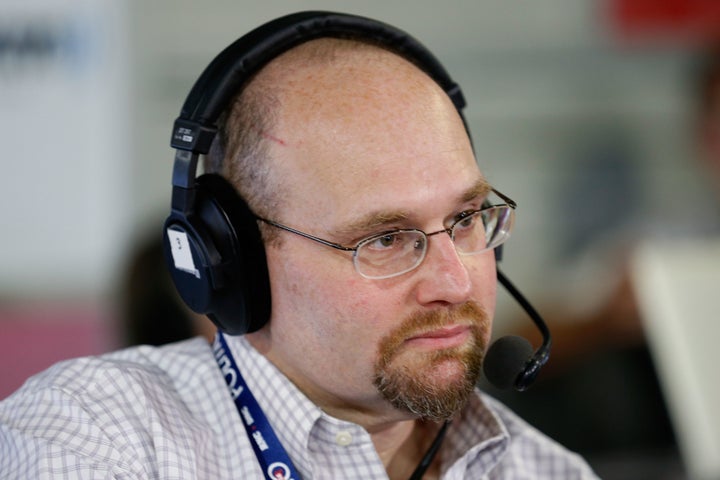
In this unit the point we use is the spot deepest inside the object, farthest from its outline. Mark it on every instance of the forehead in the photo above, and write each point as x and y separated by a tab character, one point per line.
367	131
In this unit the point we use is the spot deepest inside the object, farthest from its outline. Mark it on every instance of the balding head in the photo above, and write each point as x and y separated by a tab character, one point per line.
303	85
332	91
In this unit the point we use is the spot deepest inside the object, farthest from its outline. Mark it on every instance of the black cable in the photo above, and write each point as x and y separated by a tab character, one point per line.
542	354
430	454
532	313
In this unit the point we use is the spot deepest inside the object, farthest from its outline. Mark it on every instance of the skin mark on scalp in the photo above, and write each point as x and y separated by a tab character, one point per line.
273	139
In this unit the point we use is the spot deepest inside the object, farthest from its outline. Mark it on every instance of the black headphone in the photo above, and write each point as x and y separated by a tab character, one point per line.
212	242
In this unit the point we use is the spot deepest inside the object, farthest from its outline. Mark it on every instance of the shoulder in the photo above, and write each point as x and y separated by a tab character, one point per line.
126	374
122	410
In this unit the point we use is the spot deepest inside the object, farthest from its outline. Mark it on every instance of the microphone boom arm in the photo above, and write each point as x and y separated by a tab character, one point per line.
542	354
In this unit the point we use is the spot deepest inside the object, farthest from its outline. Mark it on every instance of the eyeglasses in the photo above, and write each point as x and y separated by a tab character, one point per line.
394	252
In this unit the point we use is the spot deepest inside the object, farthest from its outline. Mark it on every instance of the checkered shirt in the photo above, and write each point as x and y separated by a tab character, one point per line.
166	413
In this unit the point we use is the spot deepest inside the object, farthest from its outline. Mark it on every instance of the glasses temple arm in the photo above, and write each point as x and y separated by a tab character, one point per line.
506	199
306	235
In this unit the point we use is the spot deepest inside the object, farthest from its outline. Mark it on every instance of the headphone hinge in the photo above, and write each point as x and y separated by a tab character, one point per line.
182	200
192	136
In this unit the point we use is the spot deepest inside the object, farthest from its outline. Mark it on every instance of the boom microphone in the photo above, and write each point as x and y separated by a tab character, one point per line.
505	358
510	361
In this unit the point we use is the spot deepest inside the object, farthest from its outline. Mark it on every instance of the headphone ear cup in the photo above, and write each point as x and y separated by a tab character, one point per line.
217	258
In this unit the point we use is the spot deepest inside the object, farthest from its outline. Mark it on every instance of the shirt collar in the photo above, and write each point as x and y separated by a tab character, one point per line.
476	433
477	438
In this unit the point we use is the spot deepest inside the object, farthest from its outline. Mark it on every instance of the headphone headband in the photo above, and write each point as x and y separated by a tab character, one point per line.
196	127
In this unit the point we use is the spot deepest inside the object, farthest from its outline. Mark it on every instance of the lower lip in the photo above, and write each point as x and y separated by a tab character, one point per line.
444	338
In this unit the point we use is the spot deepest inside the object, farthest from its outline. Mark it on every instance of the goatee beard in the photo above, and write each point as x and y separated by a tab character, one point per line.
413	386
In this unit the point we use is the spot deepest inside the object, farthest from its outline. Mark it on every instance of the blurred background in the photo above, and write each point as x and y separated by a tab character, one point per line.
586	112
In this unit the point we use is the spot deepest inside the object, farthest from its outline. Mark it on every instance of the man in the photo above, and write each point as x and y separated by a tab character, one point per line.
372	346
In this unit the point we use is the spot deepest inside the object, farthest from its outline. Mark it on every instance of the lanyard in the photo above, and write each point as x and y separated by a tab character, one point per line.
273	458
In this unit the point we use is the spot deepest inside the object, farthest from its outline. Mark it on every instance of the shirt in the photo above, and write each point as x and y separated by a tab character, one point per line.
166	413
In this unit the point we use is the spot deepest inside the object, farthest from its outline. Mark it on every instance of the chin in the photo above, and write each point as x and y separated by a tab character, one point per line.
434	386
447	372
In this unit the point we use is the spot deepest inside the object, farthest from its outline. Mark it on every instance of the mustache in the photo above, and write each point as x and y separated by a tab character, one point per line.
469	313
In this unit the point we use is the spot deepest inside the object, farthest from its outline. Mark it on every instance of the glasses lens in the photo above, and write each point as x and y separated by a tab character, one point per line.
394	253
483	230
390	254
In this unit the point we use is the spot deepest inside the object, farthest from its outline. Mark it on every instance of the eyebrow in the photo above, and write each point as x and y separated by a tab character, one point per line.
481	188
376	219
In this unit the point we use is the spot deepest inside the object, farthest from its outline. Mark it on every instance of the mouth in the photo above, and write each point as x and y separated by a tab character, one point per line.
441	338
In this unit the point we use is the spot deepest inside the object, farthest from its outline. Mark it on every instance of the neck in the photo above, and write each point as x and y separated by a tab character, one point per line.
389	439
400	443
402	450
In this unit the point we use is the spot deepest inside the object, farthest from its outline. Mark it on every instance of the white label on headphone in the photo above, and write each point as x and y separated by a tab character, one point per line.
180	248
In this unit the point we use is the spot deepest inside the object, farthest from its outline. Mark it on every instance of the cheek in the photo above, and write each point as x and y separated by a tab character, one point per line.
352	320
483	272
324	305
354	314
484	275
488	294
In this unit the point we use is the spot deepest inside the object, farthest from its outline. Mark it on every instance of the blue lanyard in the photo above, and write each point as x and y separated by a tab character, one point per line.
273	458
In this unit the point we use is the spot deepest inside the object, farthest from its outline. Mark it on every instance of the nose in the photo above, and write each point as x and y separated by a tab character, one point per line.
444	278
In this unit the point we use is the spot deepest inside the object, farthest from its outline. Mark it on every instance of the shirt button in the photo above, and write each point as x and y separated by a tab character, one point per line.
343	438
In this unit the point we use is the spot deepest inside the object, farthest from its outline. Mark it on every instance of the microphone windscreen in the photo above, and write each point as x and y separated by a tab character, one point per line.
506	359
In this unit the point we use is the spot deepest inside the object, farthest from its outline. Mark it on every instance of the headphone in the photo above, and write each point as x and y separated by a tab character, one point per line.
212	242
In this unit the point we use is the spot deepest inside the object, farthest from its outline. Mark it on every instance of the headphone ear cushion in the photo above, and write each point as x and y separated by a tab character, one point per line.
232	285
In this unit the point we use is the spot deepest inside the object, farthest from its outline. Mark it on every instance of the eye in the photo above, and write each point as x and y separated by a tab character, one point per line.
394	241
466	220
387	241
384	241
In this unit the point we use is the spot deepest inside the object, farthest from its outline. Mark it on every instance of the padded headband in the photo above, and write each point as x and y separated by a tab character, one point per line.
195	128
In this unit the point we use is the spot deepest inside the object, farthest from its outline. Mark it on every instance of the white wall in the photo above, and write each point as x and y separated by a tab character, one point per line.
66	141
